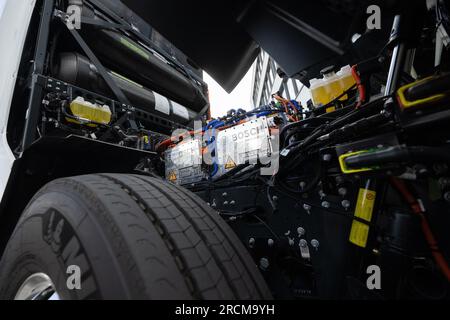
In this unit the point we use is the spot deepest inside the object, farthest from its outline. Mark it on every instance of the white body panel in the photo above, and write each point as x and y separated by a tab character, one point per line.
15	16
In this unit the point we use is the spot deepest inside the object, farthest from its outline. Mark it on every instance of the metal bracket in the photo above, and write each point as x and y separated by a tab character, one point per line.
104	24
33	111
398	56
100	68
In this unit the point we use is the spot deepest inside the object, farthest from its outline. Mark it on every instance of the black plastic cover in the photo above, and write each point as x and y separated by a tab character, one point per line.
223	36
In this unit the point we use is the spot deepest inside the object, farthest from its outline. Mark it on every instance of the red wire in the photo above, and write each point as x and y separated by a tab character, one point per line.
286	103
361	88
429	236
162	146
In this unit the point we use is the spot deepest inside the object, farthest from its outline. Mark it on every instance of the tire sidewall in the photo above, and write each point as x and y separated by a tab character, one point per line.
48	239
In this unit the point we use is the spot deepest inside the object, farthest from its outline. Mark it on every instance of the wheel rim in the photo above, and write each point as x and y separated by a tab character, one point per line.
38	286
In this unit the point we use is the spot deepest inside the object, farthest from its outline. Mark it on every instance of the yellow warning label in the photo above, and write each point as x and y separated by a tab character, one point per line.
172	177
365	204
230	164
364	210
359	234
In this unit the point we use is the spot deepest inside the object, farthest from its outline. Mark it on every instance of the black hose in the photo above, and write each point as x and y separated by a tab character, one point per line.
295	132
301	123
363	111
236	214
399	154
283	185
368	108
231	172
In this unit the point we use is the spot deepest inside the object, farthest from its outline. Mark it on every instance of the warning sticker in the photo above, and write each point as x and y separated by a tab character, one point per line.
172	177
230	164
365	204
180	111
364	209
359	234
162	104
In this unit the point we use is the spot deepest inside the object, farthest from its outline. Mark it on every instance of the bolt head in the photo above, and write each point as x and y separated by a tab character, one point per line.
342	191
346	204
339	179
326	204
303	243
301	231
270	242
315	243
447	196
264	263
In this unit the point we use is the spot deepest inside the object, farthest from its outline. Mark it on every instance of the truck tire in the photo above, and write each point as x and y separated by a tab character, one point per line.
112	236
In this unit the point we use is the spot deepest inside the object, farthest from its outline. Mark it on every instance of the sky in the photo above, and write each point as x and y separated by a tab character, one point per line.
221	101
